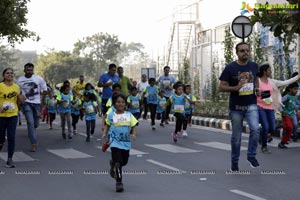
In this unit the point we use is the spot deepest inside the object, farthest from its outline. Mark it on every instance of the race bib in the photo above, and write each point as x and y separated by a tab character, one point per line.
187	104
66	103
121	120
135	104
51	103
247	89
9	106
90	109
178	108
162	104
267	101
166	83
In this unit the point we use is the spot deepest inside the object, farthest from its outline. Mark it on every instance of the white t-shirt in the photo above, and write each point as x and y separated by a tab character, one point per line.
142	86
31	88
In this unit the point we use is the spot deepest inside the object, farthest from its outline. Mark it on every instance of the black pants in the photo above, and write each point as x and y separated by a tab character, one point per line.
75	119
152	108
186	121
104	108
180	118
119	159
90	127
52	117
161	116
145	108
168	109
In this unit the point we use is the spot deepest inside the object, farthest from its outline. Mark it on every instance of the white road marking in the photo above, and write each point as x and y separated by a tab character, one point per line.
245	194
18	157
172	148
69	153
218	145
165	166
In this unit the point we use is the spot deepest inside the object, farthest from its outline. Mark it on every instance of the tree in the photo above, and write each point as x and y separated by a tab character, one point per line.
214	84
228	46
13	20
103	48
7	58
54	66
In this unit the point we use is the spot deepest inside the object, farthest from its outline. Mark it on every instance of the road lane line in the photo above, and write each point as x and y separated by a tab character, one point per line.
245	194
164	165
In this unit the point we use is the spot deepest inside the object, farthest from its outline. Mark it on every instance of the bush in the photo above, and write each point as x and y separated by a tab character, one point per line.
212	109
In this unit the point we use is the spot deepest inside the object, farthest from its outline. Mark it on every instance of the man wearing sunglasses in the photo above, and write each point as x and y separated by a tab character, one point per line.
240	79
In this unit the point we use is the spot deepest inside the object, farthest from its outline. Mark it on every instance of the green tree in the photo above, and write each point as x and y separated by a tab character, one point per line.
103	48
214	84
7	58
228	46
13	20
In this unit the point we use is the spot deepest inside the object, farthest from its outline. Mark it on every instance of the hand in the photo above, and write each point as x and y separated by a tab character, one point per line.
103	135
241	83
133	137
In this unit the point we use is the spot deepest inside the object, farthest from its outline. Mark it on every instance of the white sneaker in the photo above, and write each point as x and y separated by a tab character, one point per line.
184	134
153	127
179	134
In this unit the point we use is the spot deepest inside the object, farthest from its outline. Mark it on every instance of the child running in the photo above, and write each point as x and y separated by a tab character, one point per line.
51	104
290	104
178	100
121	126
75	110
134	103
64	102
151	92
161	108
90	108
188	108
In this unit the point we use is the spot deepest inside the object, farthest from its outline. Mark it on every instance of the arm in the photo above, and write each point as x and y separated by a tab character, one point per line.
133	133
224	86
279	83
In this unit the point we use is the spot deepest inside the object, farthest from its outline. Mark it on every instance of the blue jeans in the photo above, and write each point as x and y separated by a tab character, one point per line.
32	115
251	116
267	121
8	125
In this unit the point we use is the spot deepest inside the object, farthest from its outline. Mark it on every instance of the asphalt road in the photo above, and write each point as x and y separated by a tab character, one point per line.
197	167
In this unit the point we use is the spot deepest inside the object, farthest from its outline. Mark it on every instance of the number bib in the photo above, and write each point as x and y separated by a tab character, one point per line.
121	120
178	108
247	89
9	105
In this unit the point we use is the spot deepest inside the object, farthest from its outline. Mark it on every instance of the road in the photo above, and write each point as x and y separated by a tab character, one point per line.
197	167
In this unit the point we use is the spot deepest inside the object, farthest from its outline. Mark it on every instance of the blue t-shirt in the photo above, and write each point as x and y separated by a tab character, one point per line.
161	104
233	73
178	103
65	106
90	110
134	103
75	108
104	78
51	104
189	107
166	84
151	92
119	129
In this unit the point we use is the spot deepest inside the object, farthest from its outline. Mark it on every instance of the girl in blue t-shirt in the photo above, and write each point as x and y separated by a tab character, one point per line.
189	108
161	108
152	93
178	100
121	127
64	101
51	104
76	105
90	108
134	102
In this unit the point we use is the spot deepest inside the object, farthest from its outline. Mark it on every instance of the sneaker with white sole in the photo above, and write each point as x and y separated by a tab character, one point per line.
10	163
174	137
184	134
153	127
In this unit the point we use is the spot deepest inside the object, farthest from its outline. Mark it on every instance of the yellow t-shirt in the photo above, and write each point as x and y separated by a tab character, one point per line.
79	88
8	99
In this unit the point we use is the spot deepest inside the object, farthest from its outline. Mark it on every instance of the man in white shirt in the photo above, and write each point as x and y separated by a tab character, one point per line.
32	86
141	88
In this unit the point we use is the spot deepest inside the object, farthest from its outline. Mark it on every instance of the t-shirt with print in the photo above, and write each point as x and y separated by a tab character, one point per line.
166	84
161	104
142	86
8	99
134	103
90	110
31	88
107	90
51	104
65	107
119	129
152	94
178	103
233	73
265	103
189	107
75	106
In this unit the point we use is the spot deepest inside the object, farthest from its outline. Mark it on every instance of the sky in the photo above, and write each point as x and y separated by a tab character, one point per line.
61	23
